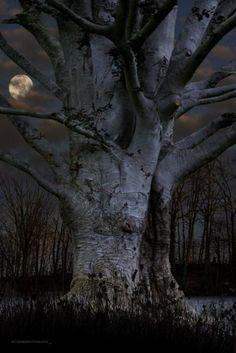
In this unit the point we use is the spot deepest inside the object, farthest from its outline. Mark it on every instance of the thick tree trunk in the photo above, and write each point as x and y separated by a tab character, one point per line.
121	237
106	214
107	206
161	287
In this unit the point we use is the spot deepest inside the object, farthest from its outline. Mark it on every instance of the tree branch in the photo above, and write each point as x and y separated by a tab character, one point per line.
85	24
25	167
205	96
31	21
132	17
38	142
71	123
43	116
21	61
161	12
215	78
196	150
199	136
159	46
121	20
195	42
132	79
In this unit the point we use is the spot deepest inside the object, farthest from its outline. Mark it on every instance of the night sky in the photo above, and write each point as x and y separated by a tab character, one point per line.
40	100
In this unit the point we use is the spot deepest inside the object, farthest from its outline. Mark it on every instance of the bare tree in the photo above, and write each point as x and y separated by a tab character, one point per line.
33	243
123	79
228	202
25	224
203	210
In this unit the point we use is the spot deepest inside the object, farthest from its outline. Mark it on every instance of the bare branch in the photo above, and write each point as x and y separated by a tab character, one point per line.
31	21
197	97
71	123
159	47
159	15
215	78
121	20
43	116
132	79
201	148
126	16
131	17
195	42
215	95
209	149
38	142
85	24
21	61
28	169
199	136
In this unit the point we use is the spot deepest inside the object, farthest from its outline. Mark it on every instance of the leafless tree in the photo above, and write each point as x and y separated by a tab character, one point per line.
203	210
33	243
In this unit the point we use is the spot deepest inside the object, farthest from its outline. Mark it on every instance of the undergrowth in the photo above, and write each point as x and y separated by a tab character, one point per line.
59	324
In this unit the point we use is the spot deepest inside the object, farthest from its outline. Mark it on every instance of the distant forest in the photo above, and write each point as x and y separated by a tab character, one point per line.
36	252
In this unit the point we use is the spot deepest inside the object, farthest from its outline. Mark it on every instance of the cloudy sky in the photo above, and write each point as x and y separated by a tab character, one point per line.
41	100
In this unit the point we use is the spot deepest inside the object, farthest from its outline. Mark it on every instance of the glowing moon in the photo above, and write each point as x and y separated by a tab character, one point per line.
20	86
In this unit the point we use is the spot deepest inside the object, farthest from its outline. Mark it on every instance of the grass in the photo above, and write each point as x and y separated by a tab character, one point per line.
66	324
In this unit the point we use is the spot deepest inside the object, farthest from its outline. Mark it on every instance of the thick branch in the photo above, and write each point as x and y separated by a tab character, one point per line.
200	148
159	15
132	17
21	61
121	20
28	169
194	44
159	46
61	118
132	80
85	24
126	16
209	149
205	96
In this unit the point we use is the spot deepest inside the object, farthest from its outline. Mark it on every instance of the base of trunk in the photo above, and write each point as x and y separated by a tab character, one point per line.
98	294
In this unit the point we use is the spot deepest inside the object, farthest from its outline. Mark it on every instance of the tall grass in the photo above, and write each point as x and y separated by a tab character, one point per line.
64	324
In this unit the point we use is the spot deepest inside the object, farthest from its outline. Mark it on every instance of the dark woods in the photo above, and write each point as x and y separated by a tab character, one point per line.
203	247
36	249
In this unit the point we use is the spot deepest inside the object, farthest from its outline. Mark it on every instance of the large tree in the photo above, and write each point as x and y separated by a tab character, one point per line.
123	78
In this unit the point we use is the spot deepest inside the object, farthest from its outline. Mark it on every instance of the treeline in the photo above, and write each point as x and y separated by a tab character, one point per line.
34	243
33	240
203	218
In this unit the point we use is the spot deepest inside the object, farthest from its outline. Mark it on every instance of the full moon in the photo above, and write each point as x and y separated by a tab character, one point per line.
20	86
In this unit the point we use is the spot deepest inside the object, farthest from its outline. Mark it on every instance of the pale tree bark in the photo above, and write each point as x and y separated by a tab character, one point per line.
123	79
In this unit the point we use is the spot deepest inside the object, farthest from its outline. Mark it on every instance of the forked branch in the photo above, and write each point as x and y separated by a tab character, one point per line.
159	15
198	149
85	24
